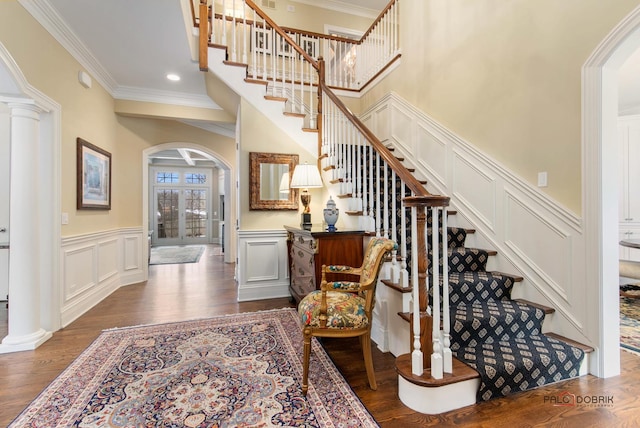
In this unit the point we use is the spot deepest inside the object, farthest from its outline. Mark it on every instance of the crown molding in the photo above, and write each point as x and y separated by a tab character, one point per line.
133	93
51	20
339	6
212	127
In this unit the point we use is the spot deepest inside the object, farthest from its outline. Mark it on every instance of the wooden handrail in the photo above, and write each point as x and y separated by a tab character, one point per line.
378	19
416	187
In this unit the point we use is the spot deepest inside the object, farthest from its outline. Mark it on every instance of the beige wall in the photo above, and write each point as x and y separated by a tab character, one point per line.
506	77
89	113
258	134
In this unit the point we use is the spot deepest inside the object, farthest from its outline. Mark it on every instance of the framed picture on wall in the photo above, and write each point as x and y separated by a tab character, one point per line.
283	48
261	40
310	45
93	177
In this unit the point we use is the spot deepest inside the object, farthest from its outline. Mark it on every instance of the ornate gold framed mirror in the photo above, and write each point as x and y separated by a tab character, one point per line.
269	177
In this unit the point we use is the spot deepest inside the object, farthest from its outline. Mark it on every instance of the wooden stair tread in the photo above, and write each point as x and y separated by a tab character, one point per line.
275	98
235	64
546	309
310	130
586	348
353	212
396	286
516	278
461	373
336	181
345	196
256	81
293	114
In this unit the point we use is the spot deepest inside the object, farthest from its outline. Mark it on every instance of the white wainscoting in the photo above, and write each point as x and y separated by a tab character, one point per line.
263	266
535	237
96	264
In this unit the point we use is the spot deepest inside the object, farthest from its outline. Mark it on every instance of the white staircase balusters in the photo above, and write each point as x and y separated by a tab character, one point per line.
377	192
234	39
404	273
436	356
224	23
244	33
394	234
447	357
417	363
385	198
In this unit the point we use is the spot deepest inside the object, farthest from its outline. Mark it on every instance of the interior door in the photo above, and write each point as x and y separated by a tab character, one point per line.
180	203
182	216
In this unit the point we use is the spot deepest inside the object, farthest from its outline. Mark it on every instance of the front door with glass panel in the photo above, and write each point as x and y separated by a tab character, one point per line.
182	202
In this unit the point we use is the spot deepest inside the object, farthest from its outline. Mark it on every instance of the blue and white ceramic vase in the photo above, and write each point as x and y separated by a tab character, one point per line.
331	215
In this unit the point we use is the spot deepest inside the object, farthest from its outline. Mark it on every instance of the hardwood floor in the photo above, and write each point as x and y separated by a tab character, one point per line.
187	291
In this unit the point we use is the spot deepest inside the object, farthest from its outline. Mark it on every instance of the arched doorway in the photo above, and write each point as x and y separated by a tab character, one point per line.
599	184
227	190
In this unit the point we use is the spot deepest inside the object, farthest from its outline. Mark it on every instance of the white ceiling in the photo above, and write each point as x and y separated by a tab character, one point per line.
130	46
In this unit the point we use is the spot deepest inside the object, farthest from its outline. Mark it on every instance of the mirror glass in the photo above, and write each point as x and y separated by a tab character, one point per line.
270	174
272	177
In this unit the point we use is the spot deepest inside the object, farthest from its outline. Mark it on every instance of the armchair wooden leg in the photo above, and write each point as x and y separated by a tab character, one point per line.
365	343
305	360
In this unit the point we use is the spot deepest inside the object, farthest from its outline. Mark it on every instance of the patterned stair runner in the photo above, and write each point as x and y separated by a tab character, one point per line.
502	339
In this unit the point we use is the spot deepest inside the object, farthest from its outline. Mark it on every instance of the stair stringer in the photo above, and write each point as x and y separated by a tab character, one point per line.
254	94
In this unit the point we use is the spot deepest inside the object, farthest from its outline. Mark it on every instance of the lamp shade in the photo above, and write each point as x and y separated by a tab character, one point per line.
284	183
305	177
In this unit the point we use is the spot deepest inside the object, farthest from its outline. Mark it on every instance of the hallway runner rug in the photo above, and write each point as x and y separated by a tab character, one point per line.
228	371
630	324
175	254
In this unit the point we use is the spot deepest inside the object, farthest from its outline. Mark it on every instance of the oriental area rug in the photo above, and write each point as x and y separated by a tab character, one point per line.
630	320
230	371
175	254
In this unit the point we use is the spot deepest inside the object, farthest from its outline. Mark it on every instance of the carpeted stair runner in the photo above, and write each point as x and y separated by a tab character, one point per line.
521	363
493	321
500	338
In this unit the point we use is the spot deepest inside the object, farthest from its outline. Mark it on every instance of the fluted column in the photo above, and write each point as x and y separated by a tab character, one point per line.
25	331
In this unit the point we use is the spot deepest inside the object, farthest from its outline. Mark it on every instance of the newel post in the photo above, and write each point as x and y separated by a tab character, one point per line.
203	15
421	203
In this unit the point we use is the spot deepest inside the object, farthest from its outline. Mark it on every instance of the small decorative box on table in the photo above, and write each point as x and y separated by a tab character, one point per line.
310	249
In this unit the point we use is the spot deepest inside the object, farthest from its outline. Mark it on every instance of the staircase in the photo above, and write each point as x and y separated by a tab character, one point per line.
461	342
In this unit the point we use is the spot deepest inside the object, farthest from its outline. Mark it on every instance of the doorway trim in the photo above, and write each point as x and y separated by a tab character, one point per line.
15	87
599	177
230	237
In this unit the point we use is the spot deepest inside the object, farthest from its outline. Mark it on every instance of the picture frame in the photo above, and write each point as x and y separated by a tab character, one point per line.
311	45
261	40
284	49
93	169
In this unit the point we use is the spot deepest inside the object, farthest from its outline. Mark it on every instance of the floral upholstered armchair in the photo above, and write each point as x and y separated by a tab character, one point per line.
344	308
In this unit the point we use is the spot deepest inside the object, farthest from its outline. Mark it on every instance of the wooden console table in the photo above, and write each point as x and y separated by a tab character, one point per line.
310	249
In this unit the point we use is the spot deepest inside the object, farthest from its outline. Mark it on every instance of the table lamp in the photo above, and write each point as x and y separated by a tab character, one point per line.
305	177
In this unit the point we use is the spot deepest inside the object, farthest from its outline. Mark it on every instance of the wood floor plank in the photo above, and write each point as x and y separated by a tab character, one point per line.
191	291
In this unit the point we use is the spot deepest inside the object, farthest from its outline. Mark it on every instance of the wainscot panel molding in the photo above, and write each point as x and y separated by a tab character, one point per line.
262	269
535	236
95	265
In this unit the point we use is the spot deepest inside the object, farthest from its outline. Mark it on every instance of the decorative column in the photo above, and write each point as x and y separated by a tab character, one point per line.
25	331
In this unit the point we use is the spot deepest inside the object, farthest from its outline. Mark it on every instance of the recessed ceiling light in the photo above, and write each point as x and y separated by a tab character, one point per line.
173	77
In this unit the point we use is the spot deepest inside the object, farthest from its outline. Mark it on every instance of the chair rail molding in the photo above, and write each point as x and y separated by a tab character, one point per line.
94	265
